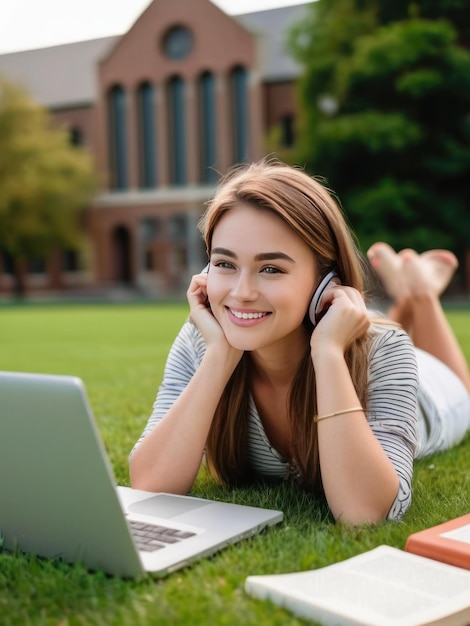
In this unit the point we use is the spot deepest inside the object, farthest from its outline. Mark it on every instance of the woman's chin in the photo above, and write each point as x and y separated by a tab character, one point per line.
244	346
241	343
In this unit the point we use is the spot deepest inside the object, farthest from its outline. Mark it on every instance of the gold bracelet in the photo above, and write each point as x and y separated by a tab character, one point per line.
317	418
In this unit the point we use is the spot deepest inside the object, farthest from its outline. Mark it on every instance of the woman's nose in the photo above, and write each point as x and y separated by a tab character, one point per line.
244	287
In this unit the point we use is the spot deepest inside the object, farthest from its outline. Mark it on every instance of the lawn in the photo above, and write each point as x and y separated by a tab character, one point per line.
119	351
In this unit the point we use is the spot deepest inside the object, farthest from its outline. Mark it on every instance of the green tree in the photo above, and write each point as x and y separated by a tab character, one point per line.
45	182
385	103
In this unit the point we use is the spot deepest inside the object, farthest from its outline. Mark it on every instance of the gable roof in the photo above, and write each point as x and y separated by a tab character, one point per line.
59	76
65	76
273	25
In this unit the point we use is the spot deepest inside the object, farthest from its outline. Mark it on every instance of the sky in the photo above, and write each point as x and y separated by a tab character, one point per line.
30	24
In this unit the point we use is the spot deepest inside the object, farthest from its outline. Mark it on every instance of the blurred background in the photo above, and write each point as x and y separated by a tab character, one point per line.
117	118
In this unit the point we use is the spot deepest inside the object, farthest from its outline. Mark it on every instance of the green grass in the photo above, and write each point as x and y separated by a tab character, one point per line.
120	351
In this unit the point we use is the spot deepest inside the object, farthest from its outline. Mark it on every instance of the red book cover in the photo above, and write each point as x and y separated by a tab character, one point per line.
448	542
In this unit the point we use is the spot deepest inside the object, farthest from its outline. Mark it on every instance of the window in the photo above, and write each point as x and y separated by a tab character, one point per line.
178	227
150	228
146	131
207	125
36	265
238	88
117	140
178	43
149	234
76	136
287	131
70	261
122	252
149	261
177	130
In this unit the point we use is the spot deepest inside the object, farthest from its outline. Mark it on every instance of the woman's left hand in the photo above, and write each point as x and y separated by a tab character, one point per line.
346	318
359	480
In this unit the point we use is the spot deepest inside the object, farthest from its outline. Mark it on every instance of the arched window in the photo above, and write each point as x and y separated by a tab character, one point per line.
122	254
177	130
146	135
117	141
207	126
239	98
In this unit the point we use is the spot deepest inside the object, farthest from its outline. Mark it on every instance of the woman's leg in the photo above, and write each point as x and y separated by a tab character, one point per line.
415	282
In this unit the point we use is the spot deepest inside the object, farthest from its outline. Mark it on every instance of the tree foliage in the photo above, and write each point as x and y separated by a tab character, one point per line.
385	116
45	182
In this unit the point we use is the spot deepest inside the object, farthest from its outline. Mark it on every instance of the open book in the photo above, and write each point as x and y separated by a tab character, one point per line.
382	587
448	542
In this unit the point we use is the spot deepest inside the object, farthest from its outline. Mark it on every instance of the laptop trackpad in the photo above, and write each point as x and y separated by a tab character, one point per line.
166	506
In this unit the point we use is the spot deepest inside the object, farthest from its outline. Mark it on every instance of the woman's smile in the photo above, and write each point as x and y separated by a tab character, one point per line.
245	316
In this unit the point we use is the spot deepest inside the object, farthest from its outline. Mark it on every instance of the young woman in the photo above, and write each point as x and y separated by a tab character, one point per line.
331	402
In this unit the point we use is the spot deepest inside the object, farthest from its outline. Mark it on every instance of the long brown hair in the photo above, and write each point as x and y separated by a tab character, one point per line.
310	210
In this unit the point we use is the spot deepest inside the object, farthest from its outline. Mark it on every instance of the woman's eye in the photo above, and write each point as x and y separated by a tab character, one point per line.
223	264
270	269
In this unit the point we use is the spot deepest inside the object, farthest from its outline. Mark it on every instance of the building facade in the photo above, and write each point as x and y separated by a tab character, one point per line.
165	108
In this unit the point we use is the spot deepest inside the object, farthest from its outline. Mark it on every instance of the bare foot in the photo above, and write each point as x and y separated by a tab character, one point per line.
428	272
409	273
387	265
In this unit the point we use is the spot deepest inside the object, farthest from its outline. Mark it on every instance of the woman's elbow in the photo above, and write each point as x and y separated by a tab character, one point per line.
138	478
361	517
139	473
145	479
369	511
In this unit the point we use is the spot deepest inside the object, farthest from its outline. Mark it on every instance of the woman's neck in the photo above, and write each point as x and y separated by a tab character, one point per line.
277	364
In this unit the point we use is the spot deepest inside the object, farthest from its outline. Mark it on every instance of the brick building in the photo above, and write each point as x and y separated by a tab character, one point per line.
184	94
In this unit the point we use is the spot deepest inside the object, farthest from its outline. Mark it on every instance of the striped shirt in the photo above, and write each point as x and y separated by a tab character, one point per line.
394	404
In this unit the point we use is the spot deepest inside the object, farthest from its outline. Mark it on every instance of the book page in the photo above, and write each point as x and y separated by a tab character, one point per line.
385	584
382	586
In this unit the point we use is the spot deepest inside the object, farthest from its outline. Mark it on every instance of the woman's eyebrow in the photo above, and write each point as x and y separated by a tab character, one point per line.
224	252
272	256
262	256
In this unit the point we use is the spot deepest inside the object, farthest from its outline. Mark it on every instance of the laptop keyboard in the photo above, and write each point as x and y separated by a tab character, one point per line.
149	537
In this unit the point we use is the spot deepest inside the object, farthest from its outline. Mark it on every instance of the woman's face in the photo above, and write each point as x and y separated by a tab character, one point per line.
261	278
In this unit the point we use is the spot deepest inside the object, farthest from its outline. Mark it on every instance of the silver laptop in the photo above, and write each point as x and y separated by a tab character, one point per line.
58	496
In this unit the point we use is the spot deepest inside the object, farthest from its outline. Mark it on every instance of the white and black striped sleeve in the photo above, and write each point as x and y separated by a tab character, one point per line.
392	409
184	358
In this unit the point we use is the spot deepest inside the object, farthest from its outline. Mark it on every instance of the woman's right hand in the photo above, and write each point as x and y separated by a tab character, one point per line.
169	457
200	311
